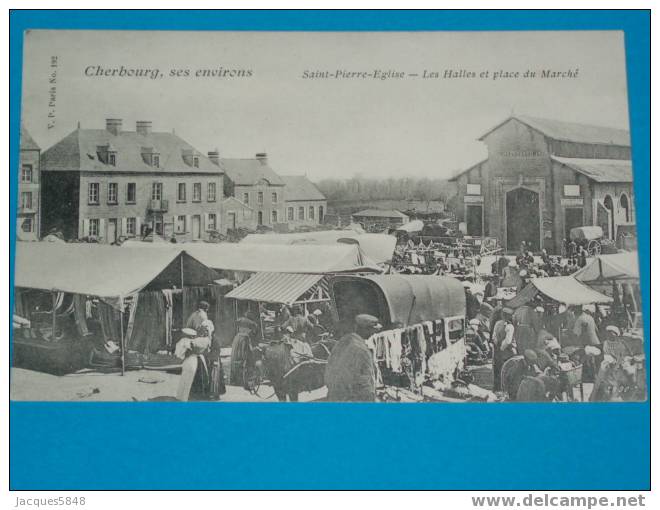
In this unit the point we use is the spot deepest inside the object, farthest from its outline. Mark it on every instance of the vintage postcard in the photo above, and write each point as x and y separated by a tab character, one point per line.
438	217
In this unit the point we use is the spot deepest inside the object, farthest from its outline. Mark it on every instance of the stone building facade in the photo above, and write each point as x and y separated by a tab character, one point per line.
110	183
28	218
543	177
306	206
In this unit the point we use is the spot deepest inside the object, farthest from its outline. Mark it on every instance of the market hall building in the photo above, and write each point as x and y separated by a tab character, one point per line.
543	177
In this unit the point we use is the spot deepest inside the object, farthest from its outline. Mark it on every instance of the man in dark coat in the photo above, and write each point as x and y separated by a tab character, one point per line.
350	372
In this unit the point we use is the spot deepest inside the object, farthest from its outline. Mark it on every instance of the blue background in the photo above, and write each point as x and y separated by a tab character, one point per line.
355	446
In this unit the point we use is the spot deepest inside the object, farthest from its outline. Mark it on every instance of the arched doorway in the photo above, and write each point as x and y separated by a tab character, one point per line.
523	219
609	205
624	204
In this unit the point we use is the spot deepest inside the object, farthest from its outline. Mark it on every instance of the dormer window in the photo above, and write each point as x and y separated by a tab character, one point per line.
190	157
196	161
107	154
150	157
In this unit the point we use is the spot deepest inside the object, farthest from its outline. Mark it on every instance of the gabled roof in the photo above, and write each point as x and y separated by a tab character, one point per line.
600	170
27	142
381	213
299	187
461	172
571	131
249	171
78	152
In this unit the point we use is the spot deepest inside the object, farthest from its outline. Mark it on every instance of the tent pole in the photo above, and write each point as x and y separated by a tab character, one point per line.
181	269
123	341
261	323
54	324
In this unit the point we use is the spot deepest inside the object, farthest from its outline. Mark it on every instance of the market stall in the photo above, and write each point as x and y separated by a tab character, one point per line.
122	289
422	346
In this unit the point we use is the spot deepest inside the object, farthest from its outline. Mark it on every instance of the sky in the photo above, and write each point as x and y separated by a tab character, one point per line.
333	127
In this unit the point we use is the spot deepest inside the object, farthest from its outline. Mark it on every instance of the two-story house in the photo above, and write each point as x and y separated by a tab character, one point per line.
110	183
28	217
255	184
305	204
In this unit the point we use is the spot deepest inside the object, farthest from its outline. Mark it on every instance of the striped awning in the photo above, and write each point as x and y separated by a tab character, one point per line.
285	288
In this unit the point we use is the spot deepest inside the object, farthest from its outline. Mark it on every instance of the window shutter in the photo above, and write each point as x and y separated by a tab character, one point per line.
123	227
85	227
138	226
174	225
188	226
101	229
206	221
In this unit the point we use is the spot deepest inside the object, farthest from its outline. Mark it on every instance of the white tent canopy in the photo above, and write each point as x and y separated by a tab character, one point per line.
619	267
378	248
282	258
412	226
105	271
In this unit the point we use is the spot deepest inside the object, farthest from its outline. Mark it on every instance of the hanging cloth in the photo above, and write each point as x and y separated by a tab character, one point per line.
79	313
149	326
169	312
131	316
109	319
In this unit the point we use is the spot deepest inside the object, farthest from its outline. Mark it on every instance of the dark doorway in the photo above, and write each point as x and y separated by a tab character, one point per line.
260	218
474	219
609	205
522	219
573	217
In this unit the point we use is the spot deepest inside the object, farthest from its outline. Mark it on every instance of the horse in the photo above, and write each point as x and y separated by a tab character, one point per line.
288	378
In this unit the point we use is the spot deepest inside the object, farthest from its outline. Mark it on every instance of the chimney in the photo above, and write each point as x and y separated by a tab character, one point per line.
113	125
143	127
262	157
214	156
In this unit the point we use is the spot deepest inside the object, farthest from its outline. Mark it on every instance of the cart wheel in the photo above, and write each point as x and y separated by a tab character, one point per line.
594	248
252	377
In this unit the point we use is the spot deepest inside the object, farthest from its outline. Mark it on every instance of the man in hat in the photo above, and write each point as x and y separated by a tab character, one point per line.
198	316
350	372
300	324
472	304
503	344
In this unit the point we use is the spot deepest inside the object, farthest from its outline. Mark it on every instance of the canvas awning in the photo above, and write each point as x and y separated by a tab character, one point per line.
607	268
378	248
285	288
104	271
562	289
254	258
412	226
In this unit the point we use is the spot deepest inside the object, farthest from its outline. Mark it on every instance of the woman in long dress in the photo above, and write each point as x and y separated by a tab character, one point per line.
195	373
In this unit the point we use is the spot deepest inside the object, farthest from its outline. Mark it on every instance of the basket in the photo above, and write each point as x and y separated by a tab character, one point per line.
572	376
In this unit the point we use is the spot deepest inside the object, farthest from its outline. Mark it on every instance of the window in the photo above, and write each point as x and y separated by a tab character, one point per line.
26	200
26	173
196	161
156	191
260	198
625	207
289	213
130	193
93	228
112	159
26	226
273	216
181	192
197	192
212	223
210	192
93	193
473	189
113	190
311	212
301	213
246	198
571	190
180	226
273	197
155	160
131	224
